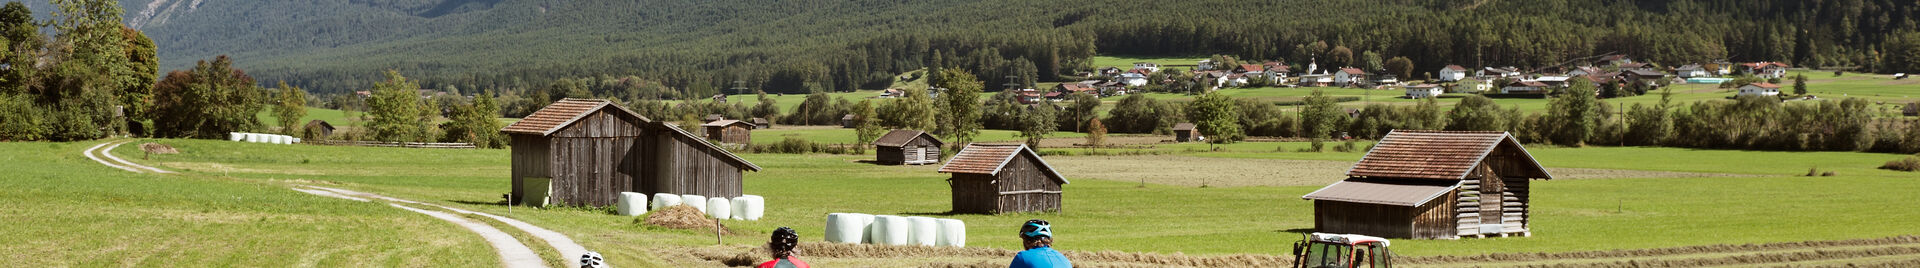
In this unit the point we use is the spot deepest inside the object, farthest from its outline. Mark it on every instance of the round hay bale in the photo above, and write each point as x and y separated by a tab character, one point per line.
681	217
156	148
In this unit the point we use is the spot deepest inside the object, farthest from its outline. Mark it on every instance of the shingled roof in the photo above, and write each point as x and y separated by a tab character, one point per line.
1410	193
560	114
900	137
990	158
1441	155
725	122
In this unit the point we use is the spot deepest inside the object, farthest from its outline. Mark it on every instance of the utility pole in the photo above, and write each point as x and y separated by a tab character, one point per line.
739	87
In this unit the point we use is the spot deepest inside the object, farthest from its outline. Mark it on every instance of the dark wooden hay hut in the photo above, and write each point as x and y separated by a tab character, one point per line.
588	151
729	131
1185	132
848	121
317	129
902	146
992	179
1433	185
761	123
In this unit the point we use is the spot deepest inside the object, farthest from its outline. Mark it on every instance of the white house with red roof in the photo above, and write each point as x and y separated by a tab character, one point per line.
1349	76
1759	89
1764	69
1453	73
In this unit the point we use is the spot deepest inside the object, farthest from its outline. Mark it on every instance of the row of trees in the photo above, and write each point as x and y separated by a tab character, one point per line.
91	78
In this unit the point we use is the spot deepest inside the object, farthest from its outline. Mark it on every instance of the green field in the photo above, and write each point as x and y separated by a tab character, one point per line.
1127	62
848	136
1574	215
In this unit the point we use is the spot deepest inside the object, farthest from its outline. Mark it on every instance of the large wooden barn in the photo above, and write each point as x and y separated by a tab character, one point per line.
992	179
1433	185
729	131
588	151
905	146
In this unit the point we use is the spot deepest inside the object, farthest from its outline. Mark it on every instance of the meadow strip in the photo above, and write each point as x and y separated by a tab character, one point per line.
1631	253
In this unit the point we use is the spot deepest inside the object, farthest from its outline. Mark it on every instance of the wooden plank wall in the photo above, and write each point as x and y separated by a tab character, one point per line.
1435	220
889	155
591	159
898	155
686	167
974	193
529	161
1359	218
1021	175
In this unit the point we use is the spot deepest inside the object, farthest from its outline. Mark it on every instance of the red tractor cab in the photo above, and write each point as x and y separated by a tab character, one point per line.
1322	250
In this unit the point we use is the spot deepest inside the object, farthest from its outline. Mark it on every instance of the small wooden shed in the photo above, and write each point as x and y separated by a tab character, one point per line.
761	123
993	179
1433	185
729	131
903	146
848	121
712	117
588	151
1185	132
317	129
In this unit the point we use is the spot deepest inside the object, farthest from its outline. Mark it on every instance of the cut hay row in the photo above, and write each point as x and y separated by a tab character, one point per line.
1751	259
1689	250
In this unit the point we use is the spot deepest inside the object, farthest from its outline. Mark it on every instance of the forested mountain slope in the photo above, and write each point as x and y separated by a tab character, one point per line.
700	47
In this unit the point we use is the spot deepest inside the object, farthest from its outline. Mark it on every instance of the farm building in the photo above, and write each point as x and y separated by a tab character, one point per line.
317	130
729	131
1433	185
585	152
1185	132
994	179
847	121
761	123
901	146
712	117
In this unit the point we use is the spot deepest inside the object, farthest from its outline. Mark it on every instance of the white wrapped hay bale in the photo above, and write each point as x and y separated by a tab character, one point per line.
250	137
235	136
696	201
926	230
296	140
848	228
632	204
664	200
749	207
891	230
719	208
284	139
953	233
281	139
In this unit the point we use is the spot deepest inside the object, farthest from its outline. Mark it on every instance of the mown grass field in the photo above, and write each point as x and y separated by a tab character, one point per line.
66	210
1121	215
1127	62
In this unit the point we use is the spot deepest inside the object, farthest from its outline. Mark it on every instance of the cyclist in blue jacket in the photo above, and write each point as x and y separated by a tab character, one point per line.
1038	235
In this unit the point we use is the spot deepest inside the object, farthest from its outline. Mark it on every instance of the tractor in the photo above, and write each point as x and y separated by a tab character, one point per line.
1323	250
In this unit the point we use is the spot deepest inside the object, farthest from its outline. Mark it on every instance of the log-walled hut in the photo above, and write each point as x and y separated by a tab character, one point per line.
729	131
317	130
903	146
761	123
1433	185
588	151
1185	132
848	121
992	179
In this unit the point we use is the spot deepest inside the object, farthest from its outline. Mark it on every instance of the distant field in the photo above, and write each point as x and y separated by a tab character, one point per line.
837	135
1116	213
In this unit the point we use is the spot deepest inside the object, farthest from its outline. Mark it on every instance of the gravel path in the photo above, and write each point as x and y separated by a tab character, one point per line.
89	154
567	248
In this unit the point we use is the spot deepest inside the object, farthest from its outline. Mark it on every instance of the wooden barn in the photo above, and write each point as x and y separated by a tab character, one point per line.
1433	185
712	117
317	130
848	121
901	147
993	179
1185	132
585	152
729	131
761	123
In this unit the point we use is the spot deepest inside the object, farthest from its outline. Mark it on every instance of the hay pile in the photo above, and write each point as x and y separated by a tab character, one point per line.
681	217
156	148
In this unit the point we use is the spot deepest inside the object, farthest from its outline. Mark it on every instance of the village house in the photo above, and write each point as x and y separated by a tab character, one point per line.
1382	79
1764	69
1643	76
1472	85
1452	73
1109	71
1276	73
1028	95
1636	66
1553	81
1425	184
1584	71
580	152
1131	79
1524	87
1423	91
1614	60
1077	88
1149	66
729	131
1691	71
1491	73
1758	89
1316	80
1349	77
993	179
1720	67
907	147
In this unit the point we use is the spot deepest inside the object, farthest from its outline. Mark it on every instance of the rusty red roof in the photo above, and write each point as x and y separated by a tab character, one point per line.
560	114
1765	85
990	158
1440	155
1456	68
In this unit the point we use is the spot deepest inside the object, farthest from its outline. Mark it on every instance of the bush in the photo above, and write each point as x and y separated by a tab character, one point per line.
1908	164
1347	147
